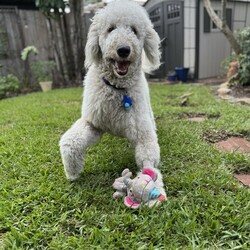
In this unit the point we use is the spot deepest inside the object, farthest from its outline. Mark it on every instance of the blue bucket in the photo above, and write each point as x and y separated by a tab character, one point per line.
181	73
172	78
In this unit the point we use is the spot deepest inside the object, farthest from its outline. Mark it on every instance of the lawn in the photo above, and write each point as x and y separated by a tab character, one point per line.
39	209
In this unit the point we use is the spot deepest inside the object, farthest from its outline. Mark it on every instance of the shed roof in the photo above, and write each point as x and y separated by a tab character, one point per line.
146	2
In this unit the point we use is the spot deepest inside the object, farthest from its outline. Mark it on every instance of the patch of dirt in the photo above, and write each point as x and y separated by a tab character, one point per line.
198	117
237	94
194	117
243	178
214	136
187	115
190	115
212	80
245	134
240	92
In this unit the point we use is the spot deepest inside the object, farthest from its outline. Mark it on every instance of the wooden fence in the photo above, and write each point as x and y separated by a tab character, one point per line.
20	28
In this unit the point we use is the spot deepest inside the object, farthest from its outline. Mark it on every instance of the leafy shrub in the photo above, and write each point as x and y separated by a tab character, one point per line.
242	78
43	70
9	85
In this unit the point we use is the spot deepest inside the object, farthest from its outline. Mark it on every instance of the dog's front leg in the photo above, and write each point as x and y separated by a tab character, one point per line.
73	145
147	153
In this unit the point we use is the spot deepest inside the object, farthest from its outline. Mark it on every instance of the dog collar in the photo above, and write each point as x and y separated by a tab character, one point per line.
110	85
127	101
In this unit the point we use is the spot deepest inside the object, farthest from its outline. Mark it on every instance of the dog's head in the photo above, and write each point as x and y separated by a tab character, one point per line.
117	37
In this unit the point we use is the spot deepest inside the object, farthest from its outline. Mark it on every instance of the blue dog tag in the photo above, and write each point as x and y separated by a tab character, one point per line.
127	102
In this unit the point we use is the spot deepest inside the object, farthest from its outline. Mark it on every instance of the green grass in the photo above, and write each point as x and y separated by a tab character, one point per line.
39	209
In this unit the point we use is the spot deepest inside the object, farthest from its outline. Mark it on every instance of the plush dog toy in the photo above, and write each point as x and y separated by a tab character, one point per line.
139	190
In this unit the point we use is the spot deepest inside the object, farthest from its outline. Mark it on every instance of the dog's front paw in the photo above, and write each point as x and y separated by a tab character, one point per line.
72	177
73	165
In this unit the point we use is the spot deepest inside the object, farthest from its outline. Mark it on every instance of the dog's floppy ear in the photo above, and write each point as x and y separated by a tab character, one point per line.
152	48
92	50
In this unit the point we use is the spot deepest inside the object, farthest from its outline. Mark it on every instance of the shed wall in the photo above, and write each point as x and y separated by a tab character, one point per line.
214	47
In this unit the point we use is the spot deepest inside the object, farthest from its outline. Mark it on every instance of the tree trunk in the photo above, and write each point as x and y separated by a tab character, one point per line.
60	75
221	24
69	54
78	38
67	36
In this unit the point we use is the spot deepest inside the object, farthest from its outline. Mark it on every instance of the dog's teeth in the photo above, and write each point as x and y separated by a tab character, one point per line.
122	67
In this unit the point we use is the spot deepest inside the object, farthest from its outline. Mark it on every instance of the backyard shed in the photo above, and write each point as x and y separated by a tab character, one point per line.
189	37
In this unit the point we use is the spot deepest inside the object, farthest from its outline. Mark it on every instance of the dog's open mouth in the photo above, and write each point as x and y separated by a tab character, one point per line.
121	67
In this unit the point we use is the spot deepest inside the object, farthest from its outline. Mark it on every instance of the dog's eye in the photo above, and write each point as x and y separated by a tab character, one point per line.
111	28
134	30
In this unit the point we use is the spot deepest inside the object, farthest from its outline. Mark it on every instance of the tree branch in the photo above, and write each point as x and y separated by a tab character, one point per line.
222	25
223	13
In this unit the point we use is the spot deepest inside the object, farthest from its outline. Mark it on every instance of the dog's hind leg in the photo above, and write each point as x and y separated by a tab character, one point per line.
73	145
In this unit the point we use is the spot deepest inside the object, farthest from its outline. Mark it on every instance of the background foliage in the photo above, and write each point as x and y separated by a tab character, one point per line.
9	85
243	76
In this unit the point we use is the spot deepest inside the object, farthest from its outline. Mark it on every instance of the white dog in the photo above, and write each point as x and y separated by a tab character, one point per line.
116	95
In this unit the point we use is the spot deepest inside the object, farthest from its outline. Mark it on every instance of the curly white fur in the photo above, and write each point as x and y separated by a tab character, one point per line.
121	24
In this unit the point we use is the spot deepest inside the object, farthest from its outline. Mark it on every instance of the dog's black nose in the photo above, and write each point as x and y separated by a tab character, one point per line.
123	51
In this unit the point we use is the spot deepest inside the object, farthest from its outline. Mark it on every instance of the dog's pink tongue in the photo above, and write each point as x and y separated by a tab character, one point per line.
122	67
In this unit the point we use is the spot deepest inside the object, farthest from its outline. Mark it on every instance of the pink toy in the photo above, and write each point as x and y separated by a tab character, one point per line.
140	190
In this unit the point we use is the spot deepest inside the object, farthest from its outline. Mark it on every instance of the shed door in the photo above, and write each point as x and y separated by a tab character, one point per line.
167	17
157	18
174	34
